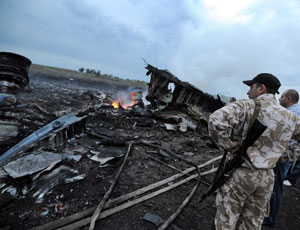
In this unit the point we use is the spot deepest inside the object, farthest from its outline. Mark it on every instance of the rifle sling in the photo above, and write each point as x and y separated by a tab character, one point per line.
255	113
254	116
222	163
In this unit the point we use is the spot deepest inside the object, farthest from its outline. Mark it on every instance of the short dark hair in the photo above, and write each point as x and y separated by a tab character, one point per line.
232	99
271	91
293	94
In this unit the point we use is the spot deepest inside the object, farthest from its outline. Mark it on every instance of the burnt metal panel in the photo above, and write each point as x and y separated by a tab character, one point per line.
13	77
184	92
14	70
51	135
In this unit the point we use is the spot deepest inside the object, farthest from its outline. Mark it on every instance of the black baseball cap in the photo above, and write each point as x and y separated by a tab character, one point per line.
269	80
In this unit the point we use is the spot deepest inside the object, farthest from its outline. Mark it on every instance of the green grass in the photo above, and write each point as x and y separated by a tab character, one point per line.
55	72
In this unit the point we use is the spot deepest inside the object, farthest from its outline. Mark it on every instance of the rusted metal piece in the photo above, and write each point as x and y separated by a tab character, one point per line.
184	92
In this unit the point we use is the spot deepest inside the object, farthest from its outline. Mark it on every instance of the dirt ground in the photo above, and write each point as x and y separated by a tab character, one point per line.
145	165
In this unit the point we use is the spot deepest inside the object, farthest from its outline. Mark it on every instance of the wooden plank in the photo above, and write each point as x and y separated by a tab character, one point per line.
128	204
82	214
107	194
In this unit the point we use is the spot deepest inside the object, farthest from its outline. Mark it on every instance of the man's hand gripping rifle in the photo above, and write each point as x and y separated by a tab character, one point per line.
225	171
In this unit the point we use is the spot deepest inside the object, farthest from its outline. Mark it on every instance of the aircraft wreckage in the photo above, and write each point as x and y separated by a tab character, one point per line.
33	164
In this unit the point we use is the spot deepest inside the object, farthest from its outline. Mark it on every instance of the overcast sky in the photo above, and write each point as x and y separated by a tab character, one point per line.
212	44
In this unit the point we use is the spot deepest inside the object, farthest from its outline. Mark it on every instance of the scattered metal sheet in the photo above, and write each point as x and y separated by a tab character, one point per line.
187	123
107	154
49	168
164	154
62	174
58	132
79	149
189	154
74	179
157	220
171	127
2	173
169	116
167	147
32	163
184	121
183	127
11	190
39	166
71	156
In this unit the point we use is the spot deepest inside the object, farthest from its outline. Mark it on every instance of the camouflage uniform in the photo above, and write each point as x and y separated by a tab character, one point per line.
249	189
292	153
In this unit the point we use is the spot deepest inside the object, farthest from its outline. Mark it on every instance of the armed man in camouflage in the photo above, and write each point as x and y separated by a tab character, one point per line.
249	189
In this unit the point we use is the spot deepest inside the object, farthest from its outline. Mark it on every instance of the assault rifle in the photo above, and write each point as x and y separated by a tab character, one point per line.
225	170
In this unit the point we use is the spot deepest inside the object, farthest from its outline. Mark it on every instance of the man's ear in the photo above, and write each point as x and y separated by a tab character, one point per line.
263	89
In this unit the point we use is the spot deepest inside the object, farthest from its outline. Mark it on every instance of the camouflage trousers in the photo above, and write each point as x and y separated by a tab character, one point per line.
246	194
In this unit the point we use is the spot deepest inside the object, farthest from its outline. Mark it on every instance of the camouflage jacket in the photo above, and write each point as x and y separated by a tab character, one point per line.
230	124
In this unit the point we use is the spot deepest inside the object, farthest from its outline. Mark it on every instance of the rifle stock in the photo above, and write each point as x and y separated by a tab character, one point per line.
224	172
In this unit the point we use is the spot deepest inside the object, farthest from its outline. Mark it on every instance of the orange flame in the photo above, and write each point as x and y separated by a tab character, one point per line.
115	104
124	102
133	97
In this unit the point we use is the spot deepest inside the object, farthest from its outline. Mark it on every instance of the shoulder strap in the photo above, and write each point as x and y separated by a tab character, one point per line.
222	163
256	112
254	116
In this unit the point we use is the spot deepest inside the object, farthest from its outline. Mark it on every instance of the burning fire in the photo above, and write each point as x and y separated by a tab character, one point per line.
115	104
133	97
125	101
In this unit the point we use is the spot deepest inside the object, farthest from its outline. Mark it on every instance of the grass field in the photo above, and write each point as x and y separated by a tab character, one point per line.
54	72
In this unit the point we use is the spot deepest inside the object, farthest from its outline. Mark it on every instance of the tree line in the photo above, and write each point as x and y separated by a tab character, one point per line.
91	71
98	73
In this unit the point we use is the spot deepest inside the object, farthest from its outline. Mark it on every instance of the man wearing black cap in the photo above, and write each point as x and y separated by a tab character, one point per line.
249	189
268	80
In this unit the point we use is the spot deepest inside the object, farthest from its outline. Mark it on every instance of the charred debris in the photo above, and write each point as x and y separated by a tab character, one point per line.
55	144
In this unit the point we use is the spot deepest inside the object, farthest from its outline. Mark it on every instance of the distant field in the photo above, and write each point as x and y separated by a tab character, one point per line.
54	72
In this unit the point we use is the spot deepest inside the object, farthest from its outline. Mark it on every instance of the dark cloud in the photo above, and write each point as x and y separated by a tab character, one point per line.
182	36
